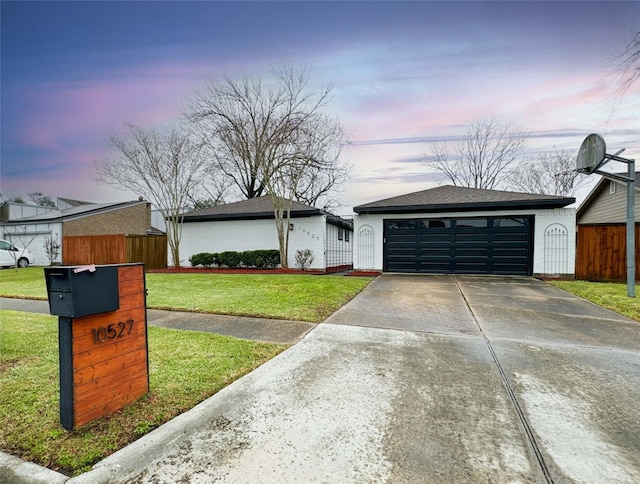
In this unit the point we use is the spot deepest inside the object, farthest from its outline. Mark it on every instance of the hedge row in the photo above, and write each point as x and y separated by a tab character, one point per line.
260	259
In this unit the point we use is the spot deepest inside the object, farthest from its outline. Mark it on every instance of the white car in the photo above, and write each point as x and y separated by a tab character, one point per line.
10	254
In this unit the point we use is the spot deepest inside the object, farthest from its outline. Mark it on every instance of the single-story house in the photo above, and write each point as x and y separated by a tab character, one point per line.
29	226
601	219
250	225
458	230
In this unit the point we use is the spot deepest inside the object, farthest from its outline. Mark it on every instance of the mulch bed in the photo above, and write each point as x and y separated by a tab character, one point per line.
201	270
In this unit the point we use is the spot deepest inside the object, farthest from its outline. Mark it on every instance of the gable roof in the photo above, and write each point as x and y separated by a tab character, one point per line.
450	198
73	212
597	190
257	209
254	208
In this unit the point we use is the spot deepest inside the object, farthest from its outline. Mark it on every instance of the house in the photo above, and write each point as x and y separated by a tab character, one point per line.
29	226
601	220
250	225
458	230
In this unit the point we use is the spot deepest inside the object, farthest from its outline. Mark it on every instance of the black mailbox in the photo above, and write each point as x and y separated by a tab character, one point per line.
81	291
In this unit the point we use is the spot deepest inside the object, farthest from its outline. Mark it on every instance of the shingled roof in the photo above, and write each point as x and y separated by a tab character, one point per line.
254	208
71	213
451	198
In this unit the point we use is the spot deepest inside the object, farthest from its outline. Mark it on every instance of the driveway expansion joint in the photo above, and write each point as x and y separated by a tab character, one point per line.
512	396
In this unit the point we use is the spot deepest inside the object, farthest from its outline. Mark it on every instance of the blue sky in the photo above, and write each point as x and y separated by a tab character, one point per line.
403	74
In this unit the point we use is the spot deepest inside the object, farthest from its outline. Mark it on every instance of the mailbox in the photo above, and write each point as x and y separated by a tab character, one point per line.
82	291
102	338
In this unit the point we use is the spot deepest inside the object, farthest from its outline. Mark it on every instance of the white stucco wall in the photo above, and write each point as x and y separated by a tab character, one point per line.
545	260
241	235
545	220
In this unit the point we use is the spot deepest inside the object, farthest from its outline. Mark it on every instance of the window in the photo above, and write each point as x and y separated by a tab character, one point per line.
436	224
346	236
340	234
510	222
402	225
612	187
471	222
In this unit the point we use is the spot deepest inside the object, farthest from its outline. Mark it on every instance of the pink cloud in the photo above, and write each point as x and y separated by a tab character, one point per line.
86	111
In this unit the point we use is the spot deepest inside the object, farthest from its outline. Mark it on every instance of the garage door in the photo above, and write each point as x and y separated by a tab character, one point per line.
482	245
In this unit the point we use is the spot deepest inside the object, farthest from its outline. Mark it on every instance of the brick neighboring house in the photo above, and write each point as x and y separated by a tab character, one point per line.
25	224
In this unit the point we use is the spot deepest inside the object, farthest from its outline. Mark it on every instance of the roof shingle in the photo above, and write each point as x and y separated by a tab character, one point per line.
254	208
452	198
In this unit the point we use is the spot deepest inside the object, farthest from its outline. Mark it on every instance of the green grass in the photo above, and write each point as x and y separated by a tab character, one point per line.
609	295
27	283
279	296
185	369
276	296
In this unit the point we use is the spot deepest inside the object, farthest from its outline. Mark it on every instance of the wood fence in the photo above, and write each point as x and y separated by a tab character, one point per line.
151	250
601	254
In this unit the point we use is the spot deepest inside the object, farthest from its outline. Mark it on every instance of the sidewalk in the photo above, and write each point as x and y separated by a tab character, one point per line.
256	329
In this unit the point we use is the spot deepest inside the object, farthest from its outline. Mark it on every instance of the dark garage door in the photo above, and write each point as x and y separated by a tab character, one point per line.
487	245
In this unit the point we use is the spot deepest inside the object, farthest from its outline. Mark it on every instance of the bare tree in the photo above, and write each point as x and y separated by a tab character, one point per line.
312	148
629	64
52	247
550	174
165	168
482	159
41	199
323	172
11	196
271	138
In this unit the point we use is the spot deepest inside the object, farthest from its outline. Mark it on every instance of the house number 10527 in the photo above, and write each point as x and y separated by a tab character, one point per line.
112	331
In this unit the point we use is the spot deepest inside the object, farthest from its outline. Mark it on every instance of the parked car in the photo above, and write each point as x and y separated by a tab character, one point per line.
10	254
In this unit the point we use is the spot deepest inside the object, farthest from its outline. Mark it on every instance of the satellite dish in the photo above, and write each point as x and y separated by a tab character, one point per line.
591	154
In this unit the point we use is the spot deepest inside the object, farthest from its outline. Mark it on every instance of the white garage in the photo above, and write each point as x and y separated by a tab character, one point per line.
458	230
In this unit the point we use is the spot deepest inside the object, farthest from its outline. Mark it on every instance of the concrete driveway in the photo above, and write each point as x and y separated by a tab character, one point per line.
421	379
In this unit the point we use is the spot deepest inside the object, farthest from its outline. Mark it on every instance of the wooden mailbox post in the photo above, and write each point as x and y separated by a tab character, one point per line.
102	328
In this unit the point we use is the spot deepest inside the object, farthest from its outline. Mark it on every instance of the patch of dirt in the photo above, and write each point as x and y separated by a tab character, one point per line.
7	365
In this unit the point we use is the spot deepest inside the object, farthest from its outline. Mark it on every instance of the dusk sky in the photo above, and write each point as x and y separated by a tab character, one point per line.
403	74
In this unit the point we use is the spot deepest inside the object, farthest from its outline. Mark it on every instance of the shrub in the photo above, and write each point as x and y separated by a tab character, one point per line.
230	259
266	259
249	258
260	259
304	258
204	259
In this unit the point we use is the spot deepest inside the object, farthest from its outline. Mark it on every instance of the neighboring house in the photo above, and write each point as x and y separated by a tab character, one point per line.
601	219
457	230
29	226
250	225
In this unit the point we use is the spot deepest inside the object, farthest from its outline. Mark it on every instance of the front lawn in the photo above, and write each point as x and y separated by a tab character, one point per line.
185	368
279	296
27	283
296	297
606	294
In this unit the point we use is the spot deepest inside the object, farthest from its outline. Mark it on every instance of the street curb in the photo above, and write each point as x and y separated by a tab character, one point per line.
14	470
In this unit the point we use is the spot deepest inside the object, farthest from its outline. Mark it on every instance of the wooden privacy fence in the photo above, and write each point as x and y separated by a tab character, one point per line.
151	250
601	254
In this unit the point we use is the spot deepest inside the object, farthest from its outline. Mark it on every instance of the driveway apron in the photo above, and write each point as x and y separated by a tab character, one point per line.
420	379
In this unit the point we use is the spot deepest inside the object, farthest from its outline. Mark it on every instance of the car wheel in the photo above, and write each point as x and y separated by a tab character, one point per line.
23	262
